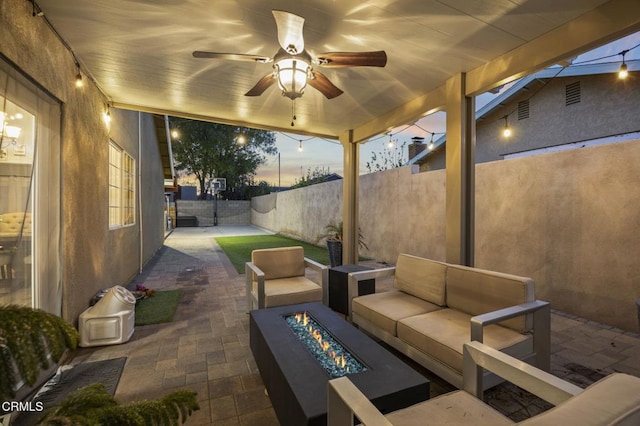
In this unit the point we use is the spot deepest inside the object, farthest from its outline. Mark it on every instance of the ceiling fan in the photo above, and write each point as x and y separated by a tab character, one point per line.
292	63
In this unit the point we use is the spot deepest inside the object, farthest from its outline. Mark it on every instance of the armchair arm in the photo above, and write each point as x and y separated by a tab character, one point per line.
477	356
344	400
252	270
355	277
324	277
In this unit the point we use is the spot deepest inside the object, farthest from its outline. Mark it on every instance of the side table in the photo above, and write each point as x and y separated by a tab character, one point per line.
338	286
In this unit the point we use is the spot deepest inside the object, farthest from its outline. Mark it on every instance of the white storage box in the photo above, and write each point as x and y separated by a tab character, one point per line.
110	321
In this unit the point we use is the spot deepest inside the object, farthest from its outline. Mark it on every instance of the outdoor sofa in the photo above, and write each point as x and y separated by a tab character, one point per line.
436	307
613	400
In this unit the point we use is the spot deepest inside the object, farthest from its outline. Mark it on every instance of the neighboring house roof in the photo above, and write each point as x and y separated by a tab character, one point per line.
519	85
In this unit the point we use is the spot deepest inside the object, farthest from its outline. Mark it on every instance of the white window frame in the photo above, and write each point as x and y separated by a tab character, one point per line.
122	188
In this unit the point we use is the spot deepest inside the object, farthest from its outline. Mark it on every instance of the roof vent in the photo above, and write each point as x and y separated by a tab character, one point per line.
523	109
572	93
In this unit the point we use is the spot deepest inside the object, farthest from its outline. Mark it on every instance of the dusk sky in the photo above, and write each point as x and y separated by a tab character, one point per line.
327	154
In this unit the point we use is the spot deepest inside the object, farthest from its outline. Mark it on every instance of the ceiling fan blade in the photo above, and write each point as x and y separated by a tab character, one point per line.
231	56
262	85
323	85
353	59
289	31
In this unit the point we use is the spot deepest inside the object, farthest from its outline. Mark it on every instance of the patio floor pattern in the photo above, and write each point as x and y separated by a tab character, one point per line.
206	347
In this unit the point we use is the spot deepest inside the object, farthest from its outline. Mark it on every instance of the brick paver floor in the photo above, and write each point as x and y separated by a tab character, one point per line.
206	347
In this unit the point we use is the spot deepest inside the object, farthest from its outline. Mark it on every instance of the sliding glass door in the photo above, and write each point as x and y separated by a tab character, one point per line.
29	194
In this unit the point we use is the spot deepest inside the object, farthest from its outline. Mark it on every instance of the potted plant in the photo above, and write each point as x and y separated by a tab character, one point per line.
333	233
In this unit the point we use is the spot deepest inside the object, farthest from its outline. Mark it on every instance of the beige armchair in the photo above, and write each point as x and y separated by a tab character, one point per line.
613	400
276	277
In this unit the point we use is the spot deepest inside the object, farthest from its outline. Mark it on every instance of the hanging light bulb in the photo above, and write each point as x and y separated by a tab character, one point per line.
174	134
241	139
106	116
79	82
390	143
623	72
506	132
431	145
300	146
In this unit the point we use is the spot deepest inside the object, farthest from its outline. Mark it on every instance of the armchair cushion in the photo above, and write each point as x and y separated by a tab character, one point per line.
614	399
289	291
281	262
453	408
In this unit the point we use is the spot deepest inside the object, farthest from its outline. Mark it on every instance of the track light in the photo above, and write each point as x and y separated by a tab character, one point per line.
623	72
506	132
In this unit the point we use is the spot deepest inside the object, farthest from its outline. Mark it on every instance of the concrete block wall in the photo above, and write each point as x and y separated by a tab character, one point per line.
569	220
229	212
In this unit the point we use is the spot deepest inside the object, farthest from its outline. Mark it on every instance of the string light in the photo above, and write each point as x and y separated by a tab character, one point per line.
79	82
623	72
106	116
506	132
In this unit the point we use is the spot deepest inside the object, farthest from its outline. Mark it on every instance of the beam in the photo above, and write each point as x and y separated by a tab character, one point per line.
413	110
350	194
460	173
606	23
182	114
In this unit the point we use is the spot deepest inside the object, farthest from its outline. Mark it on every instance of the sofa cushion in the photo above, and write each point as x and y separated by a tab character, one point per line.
614	399
279	262
476	291
423	278
455	408
384	309
289	291
441	334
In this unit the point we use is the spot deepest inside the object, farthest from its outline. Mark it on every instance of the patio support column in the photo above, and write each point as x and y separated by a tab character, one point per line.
350	192
460	173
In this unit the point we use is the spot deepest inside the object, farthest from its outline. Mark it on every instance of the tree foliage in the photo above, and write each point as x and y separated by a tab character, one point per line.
209	150
317	175
387	158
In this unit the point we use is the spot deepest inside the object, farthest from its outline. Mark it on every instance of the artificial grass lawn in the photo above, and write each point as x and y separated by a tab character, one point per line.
238	249
158	308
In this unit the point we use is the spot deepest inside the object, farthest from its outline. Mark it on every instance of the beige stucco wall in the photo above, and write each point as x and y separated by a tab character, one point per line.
569	220
92	256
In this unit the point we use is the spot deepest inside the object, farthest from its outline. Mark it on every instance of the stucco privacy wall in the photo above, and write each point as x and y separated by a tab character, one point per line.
569	220
91	254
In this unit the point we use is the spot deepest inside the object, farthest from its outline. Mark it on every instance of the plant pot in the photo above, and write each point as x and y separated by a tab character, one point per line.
335	252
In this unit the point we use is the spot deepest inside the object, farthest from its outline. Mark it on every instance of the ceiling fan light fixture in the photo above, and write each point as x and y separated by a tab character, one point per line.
292	75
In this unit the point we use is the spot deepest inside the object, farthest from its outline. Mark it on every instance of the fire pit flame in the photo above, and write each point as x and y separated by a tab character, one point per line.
330	354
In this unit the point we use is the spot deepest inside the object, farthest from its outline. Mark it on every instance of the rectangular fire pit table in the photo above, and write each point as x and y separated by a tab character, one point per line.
297	383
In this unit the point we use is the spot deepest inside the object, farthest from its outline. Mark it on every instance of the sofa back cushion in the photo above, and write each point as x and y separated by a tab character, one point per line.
421	277
476	291
281	262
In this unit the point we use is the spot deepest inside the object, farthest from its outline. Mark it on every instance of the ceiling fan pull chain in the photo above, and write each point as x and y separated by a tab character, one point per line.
293	112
